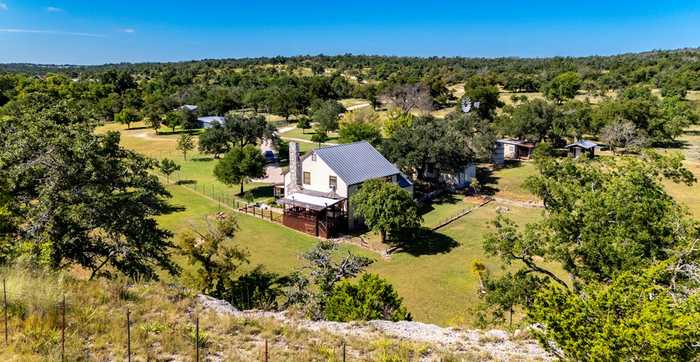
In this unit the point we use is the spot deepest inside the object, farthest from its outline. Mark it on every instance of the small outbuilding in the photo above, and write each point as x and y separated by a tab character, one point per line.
582	147
509	149
208	121
461	179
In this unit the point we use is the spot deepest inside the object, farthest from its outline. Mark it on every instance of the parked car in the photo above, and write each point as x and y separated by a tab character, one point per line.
270	156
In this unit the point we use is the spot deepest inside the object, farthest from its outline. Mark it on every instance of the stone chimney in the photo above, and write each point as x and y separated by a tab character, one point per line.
294	167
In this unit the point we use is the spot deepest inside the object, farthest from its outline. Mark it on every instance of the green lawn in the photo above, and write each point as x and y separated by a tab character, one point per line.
688	195
437	285
197	170
274	246
433	276
445	208
307	134
507	182
435	281
352	102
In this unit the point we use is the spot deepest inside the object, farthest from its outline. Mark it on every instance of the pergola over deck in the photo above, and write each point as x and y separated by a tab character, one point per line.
314	213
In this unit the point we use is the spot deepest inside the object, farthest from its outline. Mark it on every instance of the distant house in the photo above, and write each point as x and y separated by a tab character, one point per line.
456	180
318	187
208	121
508	149
460	179
582	147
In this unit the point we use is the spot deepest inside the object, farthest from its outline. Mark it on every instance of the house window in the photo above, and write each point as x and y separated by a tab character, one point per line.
307	178
313	156
332	182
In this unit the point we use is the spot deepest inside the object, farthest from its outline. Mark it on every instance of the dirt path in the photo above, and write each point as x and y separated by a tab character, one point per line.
273	175
358	106
285	129
149	135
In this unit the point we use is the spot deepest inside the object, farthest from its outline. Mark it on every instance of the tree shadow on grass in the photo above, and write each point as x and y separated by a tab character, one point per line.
202	159
487	180
137	128
185	182
677	144
263	191
426	242
193	132
170	209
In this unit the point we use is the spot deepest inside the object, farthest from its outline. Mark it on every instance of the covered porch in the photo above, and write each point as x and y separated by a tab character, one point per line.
314	213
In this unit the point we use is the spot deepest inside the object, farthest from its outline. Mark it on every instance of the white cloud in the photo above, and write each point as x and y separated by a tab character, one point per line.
53	32
129	30
3	7
53	9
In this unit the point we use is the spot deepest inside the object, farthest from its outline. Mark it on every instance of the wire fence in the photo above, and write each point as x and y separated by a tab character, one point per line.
62	307
227	201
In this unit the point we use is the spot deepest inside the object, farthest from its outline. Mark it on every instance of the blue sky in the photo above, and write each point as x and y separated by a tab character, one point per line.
102	31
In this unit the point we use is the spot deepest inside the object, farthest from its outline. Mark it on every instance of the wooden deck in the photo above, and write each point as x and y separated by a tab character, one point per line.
315	224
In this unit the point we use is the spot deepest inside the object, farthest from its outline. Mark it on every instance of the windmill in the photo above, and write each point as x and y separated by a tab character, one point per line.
466	105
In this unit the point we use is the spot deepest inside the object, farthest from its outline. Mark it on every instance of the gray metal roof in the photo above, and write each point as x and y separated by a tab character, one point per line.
211	119
584	144
356	162
189	107
509	141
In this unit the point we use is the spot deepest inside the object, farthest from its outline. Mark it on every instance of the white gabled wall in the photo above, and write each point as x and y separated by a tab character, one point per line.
461	179
320	173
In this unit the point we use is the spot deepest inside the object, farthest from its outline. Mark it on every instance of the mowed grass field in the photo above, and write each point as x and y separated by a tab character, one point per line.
434	276
434	279
688	195
299	133
197	170
435	282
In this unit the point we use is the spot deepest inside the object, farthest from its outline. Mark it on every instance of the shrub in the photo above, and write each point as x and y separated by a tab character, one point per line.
371	298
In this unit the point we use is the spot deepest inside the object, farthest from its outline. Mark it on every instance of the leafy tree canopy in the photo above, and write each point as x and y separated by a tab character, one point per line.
629	251
563	86
326	115
239	165
430	146
81	199
386	208
370	298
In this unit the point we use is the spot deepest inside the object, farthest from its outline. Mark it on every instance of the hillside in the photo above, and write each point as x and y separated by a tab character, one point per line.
162	327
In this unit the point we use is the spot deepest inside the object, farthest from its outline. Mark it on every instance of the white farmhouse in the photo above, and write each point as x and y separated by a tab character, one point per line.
318	187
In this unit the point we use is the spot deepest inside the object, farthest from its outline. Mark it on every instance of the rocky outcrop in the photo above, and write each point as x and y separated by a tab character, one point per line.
493	344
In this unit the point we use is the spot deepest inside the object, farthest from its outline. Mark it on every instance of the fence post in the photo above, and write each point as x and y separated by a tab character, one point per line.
266	354
128	336
4	302
343	351
196	323
63	328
